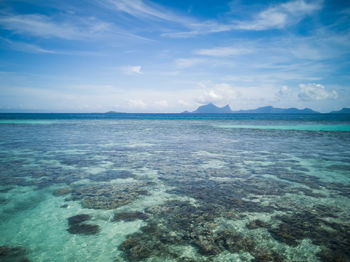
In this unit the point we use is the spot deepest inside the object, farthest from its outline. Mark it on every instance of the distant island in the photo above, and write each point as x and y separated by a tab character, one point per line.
213	109
342	111
114	112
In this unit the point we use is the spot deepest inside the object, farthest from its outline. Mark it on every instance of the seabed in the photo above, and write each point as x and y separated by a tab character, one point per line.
184	190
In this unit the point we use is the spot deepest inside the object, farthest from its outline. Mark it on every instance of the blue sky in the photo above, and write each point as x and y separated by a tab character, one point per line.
171	56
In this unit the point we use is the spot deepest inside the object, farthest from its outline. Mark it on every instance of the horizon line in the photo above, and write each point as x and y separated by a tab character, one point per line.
23	111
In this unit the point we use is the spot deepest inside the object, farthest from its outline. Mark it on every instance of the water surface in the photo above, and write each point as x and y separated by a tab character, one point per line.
174	188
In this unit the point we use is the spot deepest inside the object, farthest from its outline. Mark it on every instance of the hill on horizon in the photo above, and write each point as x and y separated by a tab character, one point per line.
213	109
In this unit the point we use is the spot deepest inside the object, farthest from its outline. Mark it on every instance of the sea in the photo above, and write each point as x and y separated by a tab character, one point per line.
174	187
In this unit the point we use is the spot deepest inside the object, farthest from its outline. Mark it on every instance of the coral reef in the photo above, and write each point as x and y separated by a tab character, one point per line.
13	254
333	238
62	191
107	196
76	225
129	216
256	224
180	223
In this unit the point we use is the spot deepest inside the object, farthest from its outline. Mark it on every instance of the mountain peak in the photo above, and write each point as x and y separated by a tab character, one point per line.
342	111
211	108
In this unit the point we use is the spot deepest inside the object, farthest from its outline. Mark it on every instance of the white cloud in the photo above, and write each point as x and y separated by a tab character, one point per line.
187	62
223	51
324	44
300	7
184	103
219	93
43	26
280	16
309	92
306	51
25	47
277	16
283	91
200	28
137	103
148	10
161	103
131	70
139	9
202	84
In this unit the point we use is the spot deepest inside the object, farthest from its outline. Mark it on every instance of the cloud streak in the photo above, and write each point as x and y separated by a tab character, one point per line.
223	51
43	26
140	10
25	47
132	70
67	27
275	17
187	62
280	16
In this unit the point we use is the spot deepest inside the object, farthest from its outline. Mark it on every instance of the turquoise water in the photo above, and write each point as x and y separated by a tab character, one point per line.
230	188
314	127
28	122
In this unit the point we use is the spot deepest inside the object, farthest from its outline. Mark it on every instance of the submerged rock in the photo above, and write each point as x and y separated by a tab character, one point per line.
333	238
5	190
13	254
106	196
112	174
78	219
84	229
76	225
178	223
4	200
62	191
257	224
129	216
135	250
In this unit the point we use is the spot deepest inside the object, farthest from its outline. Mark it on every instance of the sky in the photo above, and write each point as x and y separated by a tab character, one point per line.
170	56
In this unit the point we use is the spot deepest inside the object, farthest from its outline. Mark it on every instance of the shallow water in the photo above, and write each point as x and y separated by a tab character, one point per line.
175	189
314	127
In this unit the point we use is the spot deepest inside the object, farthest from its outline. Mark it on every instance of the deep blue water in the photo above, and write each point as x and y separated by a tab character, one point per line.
299	117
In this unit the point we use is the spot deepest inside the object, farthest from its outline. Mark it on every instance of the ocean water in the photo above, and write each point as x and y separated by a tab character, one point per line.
174	187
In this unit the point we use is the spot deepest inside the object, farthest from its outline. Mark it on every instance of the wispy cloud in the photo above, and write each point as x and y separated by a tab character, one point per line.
68	27
187	62
143	10
35	49
131	70
71	27
223	51
280	16
140	10
25	47
237	65
275	17
162	103
43	26
137	103
196	28
322	45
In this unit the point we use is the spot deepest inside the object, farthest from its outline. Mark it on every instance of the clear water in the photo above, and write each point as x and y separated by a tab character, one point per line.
174	187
